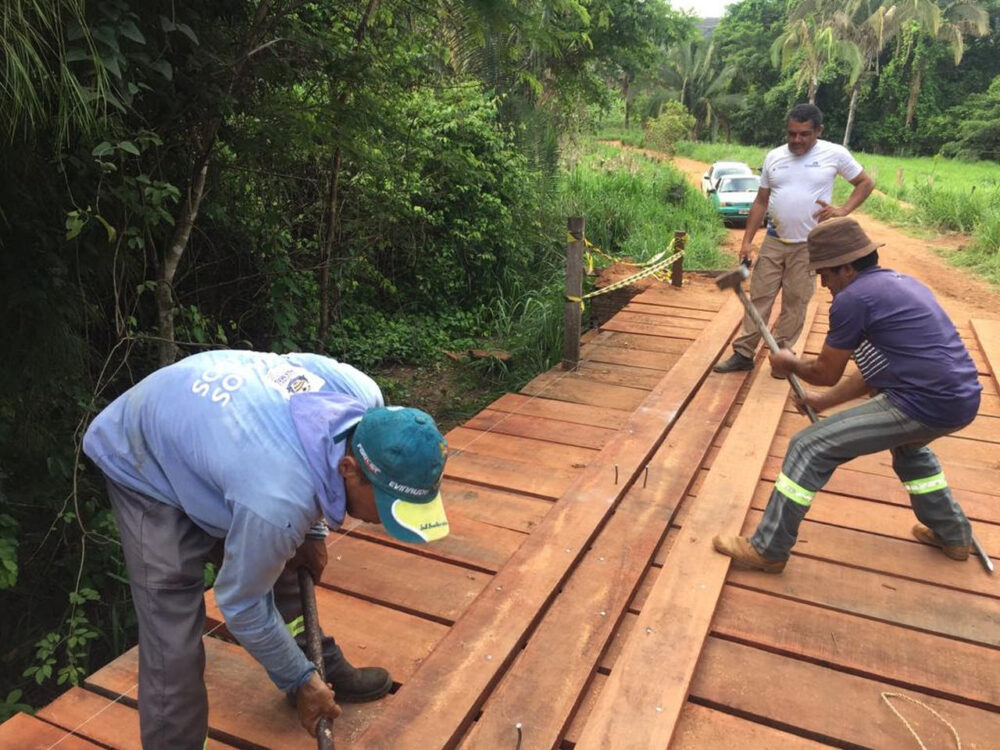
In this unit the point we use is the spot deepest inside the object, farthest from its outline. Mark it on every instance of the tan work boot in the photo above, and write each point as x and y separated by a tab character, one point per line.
954	551
744	555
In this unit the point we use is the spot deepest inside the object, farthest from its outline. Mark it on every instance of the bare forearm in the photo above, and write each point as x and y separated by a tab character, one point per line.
757	210
860	193
848	389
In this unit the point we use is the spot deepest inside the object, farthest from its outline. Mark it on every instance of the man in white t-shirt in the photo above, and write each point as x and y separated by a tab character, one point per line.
796	184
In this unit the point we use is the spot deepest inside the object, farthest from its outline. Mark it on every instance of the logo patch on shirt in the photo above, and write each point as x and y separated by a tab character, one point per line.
289	380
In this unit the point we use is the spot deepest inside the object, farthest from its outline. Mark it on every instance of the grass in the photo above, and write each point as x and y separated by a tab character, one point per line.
633	206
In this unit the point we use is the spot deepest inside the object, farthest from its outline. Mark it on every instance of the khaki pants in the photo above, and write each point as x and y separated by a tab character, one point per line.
785	267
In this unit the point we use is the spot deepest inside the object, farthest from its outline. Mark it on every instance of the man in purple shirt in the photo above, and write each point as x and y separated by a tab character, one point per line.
923	383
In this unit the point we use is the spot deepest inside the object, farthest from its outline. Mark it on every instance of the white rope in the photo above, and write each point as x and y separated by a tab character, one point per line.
954	732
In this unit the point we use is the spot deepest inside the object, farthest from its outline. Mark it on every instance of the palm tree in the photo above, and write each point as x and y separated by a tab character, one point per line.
867	26
949	22
811	41
700	86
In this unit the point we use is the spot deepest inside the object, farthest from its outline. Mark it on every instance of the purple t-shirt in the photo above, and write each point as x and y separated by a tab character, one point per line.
906	346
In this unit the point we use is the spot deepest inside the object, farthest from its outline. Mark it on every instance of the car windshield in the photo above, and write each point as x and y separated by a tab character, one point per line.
739	185
731	169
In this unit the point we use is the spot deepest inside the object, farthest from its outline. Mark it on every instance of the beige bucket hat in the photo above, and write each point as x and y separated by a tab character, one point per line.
838	241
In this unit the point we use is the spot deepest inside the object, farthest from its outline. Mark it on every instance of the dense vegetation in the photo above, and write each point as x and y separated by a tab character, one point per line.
373	180
377	181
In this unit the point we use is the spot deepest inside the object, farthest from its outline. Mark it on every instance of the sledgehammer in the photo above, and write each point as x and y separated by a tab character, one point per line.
734	280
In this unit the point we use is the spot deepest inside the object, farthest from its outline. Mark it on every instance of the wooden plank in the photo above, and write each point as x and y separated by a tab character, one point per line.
438	705
368	634
640	315
621	374
244	706
533	406
518	476
707	297
472	543
385	575
653	306
647	326
540	428
641	342
987	333
845	481
563	650
699	728
879	596
885	555
111	723
931	663
507	510
829	704
872	517
544	453
579	389
655	361
648	688
24	732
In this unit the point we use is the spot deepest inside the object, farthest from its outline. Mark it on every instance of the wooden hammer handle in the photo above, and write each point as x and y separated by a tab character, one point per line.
773	346
314	648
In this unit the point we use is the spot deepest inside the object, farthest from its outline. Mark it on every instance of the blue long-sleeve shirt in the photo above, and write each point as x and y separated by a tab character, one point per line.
245	443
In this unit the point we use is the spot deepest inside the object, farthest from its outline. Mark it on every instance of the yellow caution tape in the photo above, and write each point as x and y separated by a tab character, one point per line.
593	250
658	267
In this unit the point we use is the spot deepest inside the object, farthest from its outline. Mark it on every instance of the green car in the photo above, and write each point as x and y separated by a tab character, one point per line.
733	196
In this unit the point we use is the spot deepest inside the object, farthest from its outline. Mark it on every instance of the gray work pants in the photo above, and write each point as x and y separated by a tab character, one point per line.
871	427
166	552
780	267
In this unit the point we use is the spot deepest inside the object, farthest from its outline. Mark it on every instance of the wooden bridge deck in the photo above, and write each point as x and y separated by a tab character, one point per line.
578	602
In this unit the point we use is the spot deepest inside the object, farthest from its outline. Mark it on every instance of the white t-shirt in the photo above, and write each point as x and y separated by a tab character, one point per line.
797	182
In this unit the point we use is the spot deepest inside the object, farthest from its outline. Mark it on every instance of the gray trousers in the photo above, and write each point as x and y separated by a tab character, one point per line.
166	552
871	427
780	267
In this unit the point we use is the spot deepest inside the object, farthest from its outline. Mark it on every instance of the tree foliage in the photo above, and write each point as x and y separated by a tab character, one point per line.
373	180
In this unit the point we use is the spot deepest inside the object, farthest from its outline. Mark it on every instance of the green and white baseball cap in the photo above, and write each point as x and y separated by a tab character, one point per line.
403	454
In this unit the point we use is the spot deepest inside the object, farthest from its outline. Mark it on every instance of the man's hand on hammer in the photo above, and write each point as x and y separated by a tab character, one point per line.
747	253
314	701
783	362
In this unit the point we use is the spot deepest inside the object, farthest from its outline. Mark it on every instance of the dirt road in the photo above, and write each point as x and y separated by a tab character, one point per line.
962	294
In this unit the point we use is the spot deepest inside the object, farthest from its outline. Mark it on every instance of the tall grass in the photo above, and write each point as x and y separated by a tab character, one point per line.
632	207
928	193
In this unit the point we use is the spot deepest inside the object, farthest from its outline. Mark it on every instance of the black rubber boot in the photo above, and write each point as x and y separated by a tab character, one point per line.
351	684
356	684
736	363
